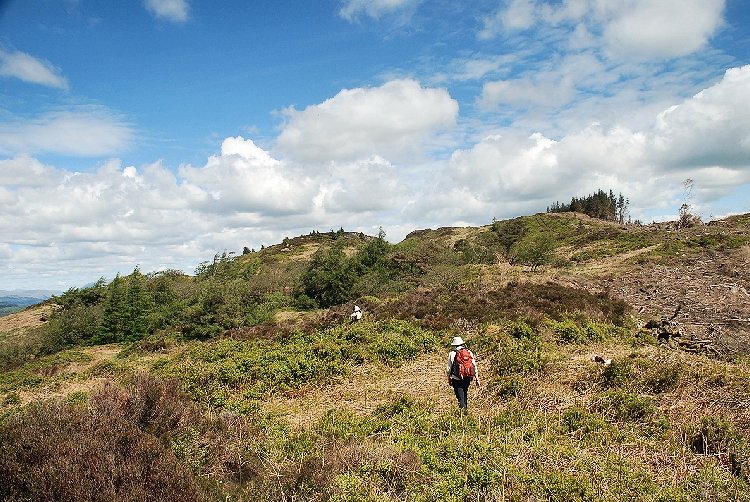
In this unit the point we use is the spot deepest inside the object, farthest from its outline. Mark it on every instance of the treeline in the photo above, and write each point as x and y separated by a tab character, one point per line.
601	205
225	293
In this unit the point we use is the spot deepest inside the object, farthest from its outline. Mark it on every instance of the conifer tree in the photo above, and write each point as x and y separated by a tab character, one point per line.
114	318
139	306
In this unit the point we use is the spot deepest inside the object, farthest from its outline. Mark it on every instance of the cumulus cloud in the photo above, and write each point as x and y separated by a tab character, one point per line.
342	170
705	138
664	29
362	186
117	216
391	120
25	172
641	29
353	9
244	178
85	131
711	128
30	69
176	11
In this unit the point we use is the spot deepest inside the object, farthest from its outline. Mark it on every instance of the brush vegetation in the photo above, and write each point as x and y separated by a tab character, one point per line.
247	381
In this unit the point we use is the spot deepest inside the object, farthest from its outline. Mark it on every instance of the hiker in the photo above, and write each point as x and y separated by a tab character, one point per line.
461	370
356	315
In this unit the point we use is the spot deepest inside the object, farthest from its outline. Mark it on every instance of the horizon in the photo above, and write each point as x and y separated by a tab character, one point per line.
158	133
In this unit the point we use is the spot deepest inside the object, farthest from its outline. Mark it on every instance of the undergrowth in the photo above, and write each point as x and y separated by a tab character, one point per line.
229	373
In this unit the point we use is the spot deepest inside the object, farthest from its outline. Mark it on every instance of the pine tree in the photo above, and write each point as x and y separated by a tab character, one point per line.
114	318
139	306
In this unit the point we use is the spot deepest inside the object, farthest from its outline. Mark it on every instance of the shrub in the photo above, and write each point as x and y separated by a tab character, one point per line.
509	386
519	357
559	485
618	374
215	371
533	250
581	331
581	422
719	437
622	406
329	277
663	377
521	330
87	455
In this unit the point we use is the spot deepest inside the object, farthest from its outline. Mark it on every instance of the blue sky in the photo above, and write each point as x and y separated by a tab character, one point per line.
159	132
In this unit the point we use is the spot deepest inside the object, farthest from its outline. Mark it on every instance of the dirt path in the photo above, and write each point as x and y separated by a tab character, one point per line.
371	385
612	263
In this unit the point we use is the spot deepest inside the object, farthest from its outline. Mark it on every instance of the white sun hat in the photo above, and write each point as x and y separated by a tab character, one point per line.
457	340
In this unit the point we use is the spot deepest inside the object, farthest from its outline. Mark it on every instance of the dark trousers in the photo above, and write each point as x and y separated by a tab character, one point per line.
461	389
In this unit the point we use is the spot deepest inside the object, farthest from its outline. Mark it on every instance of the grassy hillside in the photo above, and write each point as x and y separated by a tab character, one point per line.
246	381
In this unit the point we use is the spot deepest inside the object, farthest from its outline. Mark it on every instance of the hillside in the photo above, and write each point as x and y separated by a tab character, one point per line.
247	381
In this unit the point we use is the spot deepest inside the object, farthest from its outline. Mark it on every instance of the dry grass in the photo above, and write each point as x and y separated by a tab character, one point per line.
370	386
609	264
75	374
25	320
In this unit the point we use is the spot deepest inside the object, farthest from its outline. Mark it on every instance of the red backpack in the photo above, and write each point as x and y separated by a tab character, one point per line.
463	364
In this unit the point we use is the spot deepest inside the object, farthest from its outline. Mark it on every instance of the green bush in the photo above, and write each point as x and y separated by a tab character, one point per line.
329	277
622	406
533	250
214	371
581	422
663	377
520	358
619	373
587	331
521	330
717	436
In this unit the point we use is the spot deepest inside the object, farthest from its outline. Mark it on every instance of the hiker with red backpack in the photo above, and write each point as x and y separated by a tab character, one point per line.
461	370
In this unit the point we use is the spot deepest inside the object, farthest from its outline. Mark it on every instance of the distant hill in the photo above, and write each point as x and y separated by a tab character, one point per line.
10	303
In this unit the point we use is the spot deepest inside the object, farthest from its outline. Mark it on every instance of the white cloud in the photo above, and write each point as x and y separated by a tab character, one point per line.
343	169
363	186
501	167
176	11
552	86
391	120
85	131
705	138
25	172
246	179
640	29
517	15
711	128
663	29
117	216
352	9
526	92
30	69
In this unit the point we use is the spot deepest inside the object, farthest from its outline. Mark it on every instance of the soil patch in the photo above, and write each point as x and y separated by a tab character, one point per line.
704	298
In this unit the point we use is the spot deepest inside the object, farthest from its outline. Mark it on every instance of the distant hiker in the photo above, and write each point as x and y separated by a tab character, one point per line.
461	370
601	360
356	315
